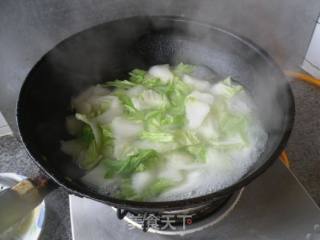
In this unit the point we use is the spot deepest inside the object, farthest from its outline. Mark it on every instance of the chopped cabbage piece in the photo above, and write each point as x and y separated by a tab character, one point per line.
162	72
162	131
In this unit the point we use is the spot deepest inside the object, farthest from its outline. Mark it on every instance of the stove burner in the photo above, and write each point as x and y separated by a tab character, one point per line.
190	220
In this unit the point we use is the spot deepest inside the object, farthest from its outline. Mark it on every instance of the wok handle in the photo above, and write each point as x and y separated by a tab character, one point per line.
16	202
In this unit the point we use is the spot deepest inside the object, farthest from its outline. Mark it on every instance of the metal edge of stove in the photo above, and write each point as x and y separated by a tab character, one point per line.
197	226
72	219
285	212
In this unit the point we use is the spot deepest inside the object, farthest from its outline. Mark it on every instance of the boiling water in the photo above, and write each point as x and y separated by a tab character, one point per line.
221	169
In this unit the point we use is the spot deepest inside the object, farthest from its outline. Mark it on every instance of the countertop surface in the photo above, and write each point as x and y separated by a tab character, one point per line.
30	28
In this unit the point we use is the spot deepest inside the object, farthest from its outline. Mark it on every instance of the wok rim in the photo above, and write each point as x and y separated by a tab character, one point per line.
175	204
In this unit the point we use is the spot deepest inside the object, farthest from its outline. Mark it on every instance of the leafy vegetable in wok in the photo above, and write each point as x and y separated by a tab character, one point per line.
132	127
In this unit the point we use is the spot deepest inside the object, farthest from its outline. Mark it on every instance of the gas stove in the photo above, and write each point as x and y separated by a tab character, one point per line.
273	207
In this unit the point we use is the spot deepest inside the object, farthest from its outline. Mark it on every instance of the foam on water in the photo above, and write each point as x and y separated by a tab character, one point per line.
220	171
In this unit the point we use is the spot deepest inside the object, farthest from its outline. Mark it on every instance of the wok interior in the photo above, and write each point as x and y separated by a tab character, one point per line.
109	51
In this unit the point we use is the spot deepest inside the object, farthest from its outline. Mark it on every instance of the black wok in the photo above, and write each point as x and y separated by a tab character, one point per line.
109	51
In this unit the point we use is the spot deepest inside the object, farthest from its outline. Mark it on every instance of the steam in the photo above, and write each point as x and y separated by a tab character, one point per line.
228	59
54	24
